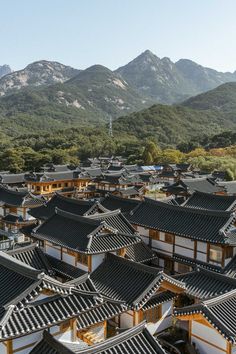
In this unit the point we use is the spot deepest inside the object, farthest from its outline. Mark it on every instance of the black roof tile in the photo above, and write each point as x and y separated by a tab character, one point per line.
220	311
136	340
127	281
74	206
112	202
204	225
209	201
95	234
204	284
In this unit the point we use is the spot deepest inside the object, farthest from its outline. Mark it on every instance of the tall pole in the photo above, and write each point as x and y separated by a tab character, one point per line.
110	128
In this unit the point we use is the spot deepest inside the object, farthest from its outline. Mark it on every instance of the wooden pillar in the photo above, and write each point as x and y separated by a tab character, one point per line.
73	324
9	347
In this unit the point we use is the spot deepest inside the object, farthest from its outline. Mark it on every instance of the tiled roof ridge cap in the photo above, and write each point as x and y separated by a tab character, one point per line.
218	299
54	343
71	200
30	247
110	342
6	316
19	267
75	217
107	213
116	197
142	267
218	213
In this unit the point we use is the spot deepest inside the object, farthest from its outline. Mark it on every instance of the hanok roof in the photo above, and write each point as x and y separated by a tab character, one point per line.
84	234
120	178
19	199
116	220
140	252
36	258
74	206
209	201
128	281
220	312
205	225
112	202
33	256
13	178
88	308
229	187
22	282
191	185
138	339
230	268
52	176
203	283
205	185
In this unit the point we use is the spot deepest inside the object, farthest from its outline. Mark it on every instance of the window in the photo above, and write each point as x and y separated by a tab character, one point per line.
82	258
54	185
229	252
152	315
168	238
215	253
183	268
154	234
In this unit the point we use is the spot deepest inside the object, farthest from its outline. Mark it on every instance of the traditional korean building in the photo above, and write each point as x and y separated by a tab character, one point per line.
66	182
12	179
147	292
137	339
112	202
201	200
14	207
184	236
84	241
32	302
71	205
186	187
211	324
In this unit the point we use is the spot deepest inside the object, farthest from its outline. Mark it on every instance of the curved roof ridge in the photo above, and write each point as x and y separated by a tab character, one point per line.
19	267
218	213
75	217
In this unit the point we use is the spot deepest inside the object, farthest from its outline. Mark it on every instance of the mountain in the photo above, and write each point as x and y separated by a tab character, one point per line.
205	114
4	70
167	82
36	74
92	96
201	78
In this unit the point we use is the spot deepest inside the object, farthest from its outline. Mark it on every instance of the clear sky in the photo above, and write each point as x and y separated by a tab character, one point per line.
81	33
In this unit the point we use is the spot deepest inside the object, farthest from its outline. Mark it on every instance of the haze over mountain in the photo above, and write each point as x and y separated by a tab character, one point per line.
49	95
4	70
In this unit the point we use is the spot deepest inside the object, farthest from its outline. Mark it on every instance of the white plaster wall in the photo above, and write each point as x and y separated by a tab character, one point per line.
1	211
201	257
143	231
165	321
184	252
205	348
163	247
201	246
82	266
161	262
160	326
69	259
97	259
209	335
185	242
3	348
126	319
53	252
66	336
25	340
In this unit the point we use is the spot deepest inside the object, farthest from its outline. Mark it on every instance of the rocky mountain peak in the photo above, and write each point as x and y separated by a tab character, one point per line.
4	70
